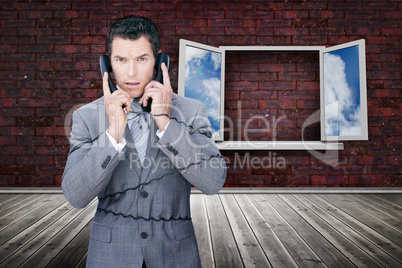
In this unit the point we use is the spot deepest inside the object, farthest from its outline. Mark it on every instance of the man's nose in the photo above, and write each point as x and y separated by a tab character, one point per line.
132	68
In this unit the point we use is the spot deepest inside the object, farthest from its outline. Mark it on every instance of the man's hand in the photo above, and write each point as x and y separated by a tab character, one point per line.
114	111
161	95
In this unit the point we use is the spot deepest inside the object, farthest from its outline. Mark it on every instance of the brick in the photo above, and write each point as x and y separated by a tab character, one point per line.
36	181
209	14
18	57
319	14
290	180
35	160
17	22
7	180
309	40
18	40
54	40
363	31
85	5
252	180
34	31
291	14
277	85
381	23
291	31
34	66
258	95
32	140
35	48
345	6
362	14
261	14
112	14
277	67
50	131
385	169
16	169
277	104
273	23
329	180
232	14
258	76
35	14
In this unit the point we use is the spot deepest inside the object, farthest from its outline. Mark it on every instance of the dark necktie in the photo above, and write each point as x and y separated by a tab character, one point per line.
138	122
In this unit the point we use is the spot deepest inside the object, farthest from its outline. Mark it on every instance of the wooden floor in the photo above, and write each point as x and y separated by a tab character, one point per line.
233	230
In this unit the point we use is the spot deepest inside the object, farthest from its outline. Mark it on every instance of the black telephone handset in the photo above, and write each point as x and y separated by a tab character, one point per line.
105	66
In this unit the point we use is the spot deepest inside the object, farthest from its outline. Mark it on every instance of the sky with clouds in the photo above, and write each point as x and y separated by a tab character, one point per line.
341	92
203	81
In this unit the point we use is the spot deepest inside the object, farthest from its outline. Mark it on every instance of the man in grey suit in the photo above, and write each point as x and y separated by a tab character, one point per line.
143	216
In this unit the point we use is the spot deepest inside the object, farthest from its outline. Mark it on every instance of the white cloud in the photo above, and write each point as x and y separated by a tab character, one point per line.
197	54
211	93
341	114
193	53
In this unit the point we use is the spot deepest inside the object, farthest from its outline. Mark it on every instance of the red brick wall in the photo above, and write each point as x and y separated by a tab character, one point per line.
49	63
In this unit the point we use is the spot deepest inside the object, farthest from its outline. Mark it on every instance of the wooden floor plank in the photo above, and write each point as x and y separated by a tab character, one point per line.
301	253
39	236
83	262
394	198
395	208
202	231
368	207
56	243
249	247
379	226
15	204
276	252
382	205
5	197
30	219
26	209
359	227
11	201
335	231
76	249
223	243
321	246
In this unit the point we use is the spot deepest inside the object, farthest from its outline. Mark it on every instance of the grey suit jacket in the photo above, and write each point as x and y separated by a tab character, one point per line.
143	211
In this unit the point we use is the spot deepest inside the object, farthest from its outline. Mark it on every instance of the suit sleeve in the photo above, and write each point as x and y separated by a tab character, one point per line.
89	166
190	147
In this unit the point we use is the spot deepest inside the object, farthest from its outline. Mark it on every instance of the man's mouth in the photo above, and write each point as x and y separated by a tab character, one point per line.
132	84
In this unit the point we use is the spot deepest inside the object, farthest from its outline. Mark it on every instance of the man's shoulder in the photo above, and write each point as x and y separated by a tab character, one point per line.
92	106
185	101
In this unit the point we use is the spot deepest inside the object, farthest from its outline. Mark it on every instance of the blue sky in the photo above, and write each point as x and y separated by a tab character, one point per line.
203	80
341	91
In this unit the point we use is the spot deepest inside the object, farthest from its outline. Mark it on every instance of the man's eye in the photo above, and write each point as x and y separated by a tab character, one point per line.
120	60
142	59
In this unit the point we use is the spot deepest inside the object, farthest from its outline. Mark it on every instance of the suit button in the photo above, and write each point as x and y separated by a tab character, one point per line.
144	194
144	235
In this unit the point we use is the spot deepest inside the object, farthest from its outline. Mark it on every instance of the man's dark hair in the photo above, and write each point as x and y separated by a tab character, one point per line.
133	27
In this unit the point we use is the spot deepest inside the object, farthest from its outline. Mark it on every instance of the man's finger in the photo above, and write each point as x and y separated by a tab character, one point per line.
165	72
106	89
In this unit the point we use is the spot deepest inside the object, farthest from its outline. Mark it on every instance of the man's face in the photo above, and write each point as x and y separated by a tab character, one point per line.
133	64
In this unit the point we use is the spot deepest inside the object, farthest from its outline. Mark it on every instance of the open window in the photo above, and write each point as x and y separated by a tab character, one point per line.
343	92
202	77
